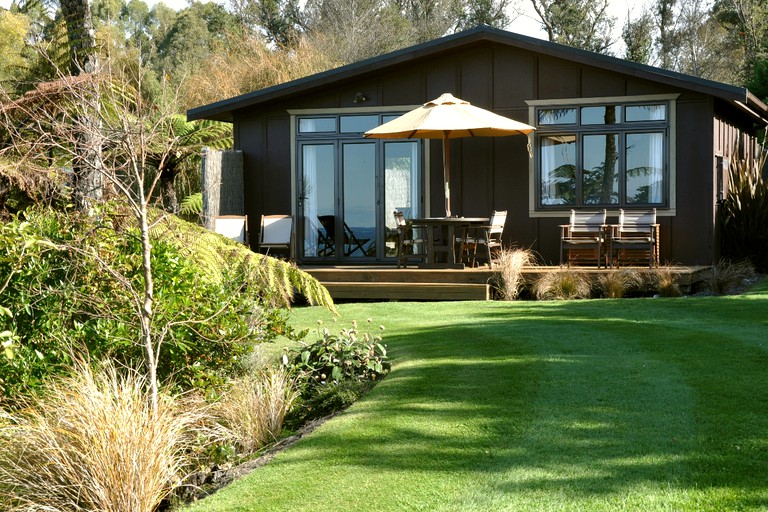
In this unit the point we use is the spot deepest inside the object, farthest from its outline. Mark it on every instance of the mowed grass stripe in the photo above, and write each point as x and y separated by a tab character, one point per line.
590	405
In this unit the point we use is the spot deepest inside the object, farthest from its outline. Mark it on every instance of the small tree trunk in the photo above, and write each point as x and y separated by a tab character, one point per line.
147	310
168	189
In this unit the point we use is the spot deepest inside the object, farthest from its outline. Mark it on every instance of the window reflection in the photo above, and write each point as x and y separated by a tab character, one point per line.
558	170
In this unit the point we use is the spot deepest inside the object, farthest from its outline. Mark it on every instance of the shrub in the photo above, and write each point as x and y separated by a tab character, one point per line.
334	371
615	284
93	443
562	284
743	214
508	272
253	408
727	276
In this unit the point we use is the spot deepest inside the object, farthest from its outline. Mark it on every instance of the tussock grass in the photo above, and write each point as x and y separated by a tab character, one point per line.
91	443
664	280
615	284
252	411
508	272
562	284
728	275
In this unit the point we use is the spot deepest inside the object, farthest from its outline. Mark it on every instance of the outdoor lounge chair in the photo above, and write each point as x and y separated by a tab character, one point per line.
485	241
409	247
583	238
276	233
635	238
232	226
327	239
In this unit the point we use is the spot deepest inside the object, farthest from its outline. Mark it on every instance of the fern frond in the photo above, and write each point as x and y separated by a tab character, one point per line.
192	204
216	255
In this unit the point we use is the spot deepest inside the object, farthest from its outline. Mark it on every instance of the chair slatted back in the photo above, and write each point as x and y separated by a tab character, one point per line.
637	221
498	220
588	222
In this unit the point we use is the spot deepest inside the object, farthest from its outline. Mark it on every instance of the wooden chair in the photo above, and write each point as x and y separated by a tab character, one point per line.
486	239
635	238
276	233
408	245
232	226
583	238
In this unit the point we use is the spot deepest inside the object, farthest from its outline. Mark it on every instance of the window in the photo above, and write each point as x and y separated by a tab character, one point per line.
613	154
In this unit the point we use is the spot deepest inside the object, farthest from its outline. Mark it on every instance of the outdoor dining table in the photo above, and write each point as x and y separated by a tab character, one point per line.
441	233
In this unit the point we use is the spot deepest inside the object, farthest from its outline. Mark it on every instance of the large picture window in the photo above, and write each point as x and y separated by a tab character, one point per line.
610	155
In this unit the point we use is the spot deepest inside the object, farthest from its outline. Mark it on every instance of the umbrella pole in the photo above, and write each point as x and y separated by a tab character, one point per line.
447	172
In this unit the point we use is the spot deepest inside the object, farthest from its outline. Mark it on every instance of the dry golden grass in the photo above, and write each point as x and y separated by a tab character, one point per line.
508	272
253	410
615	284
91	443
562	284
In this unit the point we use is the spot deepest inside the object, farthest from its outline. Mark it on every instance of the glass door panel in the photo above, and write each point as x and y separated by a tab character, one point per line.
317	199
402	187
359	200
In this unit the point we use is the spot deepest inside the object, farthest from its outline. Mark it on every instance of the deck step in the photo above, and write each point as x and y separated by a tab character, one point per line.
408	291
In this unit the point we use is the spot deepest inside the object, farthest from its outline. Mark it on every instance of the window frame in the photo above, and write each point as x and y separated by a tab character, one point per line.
621	128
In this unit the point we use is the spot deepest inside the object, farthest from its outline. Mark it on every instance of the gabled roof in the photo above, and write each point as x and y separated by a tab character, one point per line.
222	110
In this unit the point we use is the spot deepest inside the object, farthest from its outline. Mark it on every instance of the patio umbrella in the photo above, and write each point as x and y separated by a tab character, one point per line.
448	117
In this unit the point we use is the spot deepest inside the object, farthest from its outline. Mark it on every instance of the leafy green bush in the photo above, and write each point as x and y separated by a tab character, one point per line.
68	285
335	370
743	214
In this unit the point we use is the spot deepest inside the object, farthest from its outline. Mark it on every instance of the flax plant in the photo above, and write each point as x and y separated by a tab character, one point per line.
94	442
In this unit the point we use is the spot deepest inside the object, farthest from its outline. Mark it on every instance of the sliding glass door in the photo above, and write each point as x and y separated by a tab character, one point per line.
348	189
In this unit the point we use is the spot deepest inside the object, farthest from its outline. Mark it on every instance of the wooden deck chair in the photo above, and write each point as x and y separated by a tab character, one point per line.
583	238
486	240
635	238
276	233
232	226
410	246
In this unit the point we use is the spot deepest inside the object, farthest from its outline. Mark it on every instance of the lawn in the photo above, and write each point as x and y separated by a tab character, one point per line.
636	404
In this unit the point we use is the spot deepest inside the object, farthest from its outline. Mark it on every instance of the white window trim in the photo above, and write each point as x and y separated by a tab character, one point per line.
670	211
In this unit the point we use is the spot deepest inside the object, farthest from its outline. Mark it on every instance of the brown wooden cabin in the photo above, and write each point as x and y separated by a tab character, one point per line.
669	136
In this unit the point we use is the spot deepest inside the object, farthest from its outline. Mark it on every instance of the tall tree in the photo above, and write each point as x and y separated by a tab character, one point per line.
584	24
667	42
483	12
83	58
638	38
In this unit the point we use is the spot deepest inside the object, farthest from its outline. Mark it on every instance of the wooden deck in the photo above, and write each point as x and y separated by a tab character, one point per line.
390	283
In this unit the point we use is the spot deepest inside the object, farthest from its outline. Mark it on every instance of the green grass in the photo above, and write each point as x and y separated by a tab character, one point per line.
642	404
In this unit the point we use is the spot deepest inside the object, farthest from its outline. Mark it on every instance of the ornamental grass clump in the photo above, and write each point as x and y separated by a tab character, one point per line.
562	284
508	272
616	284
728	276
92	442
254	407
664	280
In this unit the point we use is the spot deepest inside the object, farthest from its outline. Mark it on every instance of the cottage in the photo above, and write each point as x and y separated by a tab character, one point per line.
610	134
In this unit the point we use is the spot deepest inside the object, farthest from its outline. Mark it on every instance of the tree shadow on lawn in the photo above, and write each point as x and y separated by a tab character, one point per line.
545	399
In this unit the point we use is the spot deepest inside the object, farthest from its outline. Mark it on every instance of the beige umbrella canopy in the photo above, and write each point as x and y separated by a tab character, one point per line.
445	118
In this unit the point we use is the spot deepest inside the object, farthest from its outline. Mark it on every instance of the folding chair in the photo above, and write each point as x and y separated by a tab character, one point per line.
276	233
488	237
327	240
232	226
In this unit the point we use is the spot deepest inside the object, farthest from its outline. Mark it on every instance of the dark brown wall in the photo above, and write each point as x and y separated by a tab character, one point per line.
493	173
